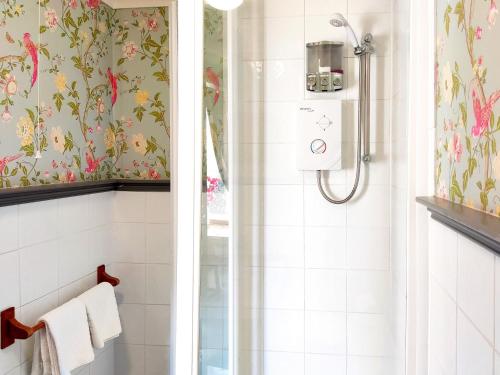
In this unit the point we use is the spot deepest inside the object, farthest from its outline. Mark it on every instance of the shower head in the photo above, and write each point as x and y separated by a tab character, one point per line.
339	20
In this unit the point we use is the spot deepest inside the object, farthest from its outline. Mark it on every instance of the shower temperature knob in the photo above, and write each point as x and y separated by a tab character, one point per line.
318	146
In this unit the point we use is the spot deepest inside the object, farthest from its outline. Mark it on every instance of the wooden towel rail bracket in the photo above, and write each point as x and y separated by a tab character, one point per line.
12	330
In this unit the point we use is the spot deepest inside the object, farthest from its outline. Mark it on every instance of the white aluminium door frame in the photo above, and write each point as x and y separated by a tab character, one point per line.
186	184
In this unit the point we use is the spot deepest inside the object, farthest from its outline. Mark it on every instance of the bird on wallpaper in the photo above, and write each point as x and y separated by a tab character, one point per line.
213	83
33	52
114	86
92	164
8	159
483	113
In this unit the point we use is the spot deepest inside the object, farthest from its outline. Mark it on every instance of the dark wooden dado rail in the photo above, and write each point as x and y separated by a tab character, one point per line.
31	194
477	225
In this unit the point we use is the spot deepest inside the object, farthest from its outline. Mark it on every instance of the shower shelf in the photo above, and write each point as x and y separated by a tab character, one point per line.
13	330
474	224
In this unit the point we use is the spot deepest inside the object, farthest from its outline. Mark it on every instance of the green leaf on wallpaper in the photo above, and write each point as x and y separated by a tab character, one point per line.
14	172
471	34
139	112
468	144
490	185
68	142
465	180
163	161
45	52
472	165
58	100
479	185
75	111
43	29
151	146
484	200
494	146
456	85
78	161
455	191
121	61
463	112
159	116
459	11
161	76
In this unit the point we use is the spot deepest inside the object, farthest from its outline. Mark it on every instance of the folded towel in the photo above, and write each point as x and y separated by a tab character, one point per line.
64	344
102	312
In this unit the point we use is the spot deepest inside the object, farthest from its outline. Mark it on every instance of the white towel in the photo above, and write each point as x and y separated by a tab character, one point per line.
102	312
64	344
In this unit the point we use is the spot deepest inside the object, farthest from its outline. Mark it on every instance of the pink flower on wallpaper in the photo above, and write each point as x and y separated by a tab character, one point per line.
54	164
9	85
457	147
51	19
93	4
153	174
492	14
152	24
6	115
70	176
73	4
479	33
482	113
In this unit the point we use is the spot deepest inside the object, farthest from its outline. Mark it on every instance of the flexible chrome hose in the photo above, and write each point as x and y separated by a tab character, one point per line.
364	88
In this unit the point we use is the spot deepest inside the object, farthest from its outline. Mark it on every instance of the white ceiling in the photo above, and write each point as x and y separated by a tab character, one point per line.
137	3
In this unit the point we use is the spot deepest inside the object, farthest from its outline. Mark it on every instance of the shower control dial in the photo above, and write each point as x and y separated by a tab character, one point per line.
318	146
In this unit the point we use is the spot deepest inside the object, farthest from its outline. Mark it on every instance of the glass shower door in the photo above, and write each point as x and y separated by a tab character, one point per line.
215	202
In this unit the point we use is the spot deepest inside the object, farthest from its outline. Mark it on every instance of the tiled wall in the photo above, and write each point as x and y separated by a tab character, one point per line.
315	279
49	253
142	259
464	305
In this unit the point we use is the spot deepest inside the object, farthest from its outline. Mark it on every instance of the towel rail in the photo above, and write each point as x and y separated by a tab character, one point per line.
12	329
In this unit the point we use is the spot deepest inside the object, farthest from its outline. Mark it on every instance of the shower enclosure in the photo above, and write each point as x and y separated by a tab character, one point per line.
271	278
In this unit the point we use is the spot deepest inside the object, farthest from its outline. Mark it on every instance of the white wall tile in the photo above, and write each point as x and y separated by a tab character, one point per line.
38	222
442	329
38	270
281	362
158	284
74	257
157	325
73	215
497	305
129	206
443	256
369	6
284	288
104	364
277	335
474	354
132	288
159	243
318	212
323	7
325	290
324	364
325	247
379	25
285	42
368	248
132	317
10	358
100	208
9	279
325	332
372	210
157	360
158	207
129	242
368	291
129	359
271	8
9	224
357	365
476	282
368	335
283	205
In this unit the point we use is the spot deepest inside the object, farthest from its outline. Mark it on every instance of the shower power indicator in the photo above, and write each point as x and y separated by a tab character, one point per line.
318	146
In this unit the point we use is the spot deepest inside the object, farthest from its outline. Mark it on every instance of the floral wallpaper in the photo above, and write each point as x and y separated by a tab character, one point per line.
66	69
467	102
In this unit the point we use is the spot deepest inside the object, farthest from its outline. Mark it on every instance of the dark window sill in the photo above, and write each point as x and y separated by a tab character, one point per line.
476	225
31	194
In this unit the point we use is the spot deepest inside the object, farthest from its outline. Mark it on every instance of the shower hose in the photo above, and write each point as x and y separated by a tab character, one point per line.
364	97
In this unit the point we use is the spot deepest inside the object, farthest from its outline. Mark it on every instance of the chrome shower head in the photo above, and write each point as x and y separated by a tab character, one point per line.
339	20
